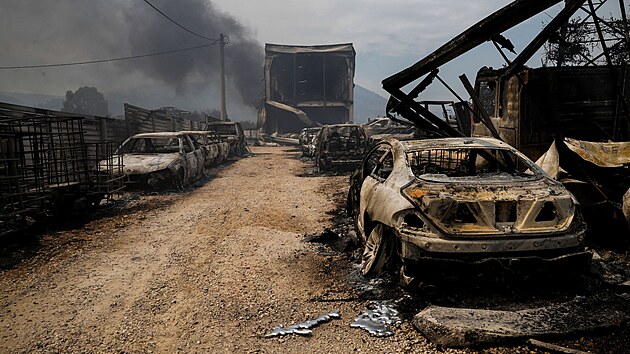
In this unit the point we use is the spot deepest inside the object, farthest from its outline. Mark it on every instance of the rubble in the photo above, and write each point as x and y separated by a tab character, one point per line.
304	328
466	327
377	320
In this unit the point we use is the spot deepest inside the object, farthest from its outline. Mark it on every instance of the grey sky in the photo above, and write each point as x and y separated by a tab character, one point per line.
388	35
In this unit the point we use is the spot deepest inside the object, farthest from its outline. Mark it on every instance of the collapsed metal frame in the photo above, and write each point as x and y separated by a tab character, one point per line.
490	28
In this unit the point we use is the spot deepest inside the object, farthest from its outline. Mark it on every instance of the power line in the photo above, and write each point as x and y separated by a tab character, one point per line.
179	25
105	60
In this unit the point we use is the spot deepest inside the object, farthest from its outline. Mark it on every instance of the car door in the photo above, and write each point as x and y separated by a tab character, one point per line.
372	184
193	158
380	202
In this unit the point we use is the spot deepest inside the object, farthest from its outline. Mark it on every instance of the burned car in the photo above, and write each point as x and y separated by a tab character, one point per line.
340	146
459	204
215	149
161	160
307	140
232	132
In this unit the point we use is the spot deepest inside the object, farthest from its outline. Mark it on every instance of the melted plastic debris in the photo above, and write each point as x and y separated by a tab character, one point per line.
305	328
377	320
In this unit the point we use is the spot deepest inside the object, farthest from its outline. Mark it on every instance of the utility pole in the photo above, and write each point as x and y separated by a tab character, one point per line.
222	42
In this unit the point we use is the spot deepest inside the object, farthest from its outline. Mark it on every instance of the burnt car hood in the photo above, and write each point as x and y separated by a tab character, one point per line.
147	163
499	207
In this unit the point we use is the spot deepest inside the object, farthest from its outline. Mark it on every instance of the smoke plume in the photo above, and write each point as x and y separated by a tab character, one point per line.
36	32
153	33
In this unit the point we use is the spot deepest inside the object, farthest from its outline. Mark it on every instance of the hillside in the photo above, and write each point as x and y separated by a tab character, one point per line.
367	104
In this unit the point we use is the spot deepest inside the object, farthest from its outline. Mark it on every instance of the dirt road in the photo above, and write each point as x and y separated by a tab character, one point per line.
213	270
209	270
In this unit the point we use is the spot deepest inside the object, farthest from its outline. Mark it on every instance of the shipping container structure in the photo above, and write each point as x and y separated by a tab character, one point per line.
307	86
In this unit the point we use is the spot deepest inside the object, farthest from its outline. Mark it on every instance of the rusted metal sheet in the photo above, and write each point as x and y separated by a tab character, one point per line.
536	106
141	120
595	173
612	154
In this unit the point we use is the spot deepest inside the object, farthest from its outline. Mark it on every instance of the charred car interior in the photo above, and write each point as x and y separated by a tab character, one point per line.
233	133
308	141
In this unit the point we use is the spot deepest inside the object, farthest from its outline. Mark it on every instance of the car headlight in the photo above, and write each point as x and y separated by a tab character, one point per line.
411	220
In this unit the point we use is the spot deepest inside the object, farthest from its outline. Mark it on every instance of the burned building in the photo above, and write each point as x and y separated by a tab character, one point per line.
307	86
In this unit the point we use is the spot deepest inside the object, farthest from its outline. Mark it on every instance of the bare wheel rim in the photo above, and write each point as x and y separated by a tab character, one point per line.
374	253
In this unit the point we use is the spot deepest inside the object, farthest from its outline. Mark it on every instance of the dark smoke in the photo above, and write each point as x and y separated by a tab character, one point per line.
150	32
36	32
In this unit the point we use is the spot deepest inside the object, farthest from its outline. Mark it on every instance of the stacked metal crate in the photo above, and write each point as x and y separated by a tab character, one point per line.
46	165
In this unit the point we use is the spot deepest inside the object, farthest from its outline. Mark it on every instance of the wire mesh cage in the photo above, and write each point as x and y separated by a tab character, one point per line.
46	165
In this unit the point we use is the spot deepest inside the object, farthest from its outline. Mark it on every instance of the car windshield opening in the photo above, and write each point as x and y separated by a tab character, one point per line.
151	145
469	162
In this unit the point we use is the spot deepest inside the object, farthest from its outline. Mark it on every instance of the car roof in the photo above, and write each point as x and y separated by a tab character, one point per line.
200	132
463	142
159	135
221	123
343	125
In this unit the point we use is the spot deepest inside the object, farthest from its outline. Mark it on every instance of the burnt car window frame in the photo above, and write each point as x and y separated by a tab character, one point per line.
382	155
536	172
379	172
187	142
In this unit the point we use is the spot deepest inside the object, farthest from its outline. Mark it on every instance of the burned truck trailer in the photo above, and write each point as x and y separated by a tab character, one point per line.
307	86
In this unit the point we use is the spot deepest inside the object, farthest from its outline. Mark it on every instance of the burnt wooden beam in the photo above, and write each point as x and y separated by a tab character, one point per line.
484	30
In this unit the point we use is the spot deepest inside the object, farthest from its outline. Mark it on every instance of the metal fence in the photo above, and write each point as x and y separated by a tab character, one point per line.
50	160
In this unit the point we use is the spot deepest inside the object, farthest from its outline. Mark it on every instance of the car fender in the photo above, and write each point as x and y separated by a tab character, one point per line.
383	201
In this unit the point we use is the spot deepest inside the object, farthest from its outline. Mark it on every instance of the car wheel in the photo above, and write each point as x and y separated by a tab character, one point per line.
322	165
179	180
207	170
376	251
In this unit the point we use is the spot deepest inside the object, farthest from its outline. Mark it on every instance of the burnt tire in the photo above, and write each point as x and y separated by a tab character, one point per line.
178	179
322	164
376	251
